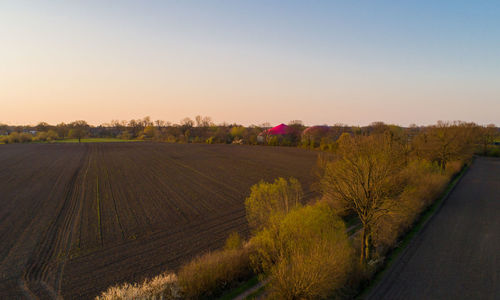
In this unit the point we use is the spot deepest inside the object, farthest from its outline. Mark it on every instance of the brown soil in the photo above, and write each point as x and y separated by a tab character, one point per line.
75	219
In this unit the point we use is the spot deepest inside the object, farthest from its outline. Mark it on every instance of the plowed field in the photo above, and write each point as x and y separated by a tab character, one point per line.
75	219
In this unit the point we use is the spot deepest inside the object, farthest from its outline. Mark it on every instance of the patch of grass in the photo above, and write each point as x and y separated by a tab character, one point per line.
408	237
494	151
94	140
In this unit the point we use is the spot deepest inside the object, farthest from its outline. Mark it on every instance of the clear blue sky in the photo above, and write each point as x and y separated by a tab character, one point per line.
250	62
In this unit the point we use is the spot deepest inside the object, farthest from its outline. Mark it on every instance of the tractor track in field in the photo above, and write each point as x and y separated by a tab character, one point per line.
45	268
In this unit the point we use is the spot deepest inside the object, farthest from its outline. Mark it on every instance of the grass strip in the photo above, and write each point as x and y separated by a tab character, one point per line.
94	140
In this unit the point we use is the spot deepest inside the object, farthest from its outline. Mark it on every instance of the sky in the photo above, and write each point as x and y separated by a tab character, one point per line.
249	62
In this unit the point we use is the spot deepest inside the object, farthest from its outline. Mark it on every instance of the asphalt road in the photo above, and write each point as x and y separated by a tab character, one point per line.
457	255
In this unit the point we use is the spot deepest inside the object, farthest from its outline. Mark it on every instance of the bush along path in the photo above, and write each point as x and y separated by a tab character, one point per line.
256	288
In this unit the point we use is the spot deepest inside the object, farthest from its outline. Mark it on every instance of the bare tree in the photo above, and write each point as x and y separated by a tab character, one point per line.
79	129
160	123
146	121
187	122
203	121
446	141
43	126
364	179
487	136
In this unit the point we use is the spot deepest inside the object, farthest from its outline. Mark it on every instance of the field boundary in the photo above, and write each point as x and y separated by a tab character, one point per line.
404	249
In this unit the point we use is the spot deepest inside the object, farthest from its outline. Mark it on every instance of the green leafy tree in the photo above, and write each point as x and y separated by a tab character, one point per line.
268	199
150	131
306	254
238	132
52	135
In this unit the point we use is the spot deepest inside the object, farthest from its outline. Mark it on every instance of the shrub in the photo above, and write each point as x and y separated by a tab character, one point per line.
52	135
306	254
149	132
40	136
233	242
424	184
273	141
25	137
267	199
311	273
124	135
171	139
238	131
163	286
494	152
207	276
453	168
14	137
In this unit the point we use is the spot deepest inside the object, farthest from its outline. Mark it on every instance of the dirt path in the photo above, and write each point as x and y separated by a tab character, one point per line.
456	256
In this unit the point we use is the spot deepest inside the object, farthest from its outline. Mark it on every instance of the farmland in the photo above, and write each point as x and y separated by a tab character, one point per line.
76	218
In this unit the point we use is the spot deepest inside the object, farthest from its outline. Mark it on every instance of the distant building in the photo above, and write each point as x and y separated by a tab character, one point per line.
281	129
278	130
314	131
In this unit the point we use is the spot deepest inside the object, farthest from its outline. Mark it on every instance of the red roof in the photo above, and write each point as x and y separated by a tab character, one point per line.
321	129
280	129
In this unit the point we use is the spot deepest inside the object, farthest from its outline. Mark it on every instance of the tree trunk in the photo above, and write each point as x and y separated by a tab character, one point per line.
365	246
368	245
362	250
442	165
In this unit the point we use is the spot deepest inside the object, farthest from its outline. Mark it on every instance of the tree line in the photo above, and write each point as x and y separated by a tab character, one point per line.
199	130
204	130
